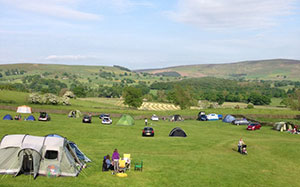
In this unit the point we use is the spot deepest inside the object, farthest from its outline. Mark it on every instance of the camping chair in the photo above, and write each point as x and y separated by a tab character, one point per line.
122	166
138	166
127	159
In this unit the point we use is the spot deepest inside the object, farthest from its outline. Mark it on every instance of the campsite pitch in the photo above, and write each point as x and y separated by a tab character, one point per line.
206	157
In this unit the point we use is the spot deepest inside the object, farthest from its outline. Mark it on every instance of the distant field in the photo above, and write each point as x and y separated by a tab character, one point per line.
207	157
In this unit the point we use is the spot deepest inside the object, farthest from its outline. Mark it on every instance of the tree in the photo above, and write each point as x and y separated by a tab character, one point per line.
132	96
180	97
79	90
258	99
294	100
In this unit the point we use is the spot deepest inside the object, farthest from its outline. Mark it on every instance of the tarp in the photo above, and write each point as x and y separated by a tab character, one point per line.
228	119
30	118
178	132
7	117
126	120
24	109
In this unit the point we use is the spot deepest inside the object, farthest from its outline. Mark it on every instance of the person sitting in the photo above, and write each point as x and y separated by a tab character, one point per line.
18	117
107	164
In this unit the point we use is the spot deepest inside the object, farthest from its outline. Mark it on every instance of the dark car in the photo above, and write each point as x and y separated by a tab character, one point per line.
104	116
87	119
148	131
240	122
44	117
254	126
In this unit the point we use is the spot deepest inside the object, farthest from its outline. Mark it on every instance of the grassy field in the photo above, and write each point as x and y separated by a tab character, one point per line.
207	157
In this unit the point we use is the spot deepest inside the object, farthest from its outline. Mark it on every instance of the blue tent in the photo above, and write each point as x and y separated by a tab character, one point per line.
228	119
7	117
30	118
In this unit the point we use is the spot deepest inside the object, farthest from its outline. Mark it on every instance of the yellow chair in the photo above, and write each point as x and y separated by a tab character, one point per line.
127	158
122	165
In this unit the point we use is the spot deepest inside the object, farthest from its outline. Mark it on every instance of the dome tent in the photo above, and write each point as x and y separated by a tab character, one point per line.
126	120
7	117
177	131
228	119
30	118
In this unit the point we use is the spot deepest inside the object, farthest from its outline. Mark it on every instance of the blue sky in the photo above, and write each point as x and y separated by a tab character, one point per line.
148	34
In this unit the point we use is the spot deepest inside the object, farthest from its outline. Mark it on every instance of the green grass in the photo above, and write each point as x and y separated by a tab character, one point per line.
207	157
13	97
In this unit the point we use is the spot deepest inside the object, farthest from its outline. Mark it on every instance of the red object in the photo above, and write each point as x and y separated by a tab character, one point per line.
254	126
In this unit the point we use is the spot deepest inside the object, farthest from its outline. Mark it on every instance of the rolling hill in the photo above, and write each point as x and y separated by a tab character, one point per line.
274	69
93	76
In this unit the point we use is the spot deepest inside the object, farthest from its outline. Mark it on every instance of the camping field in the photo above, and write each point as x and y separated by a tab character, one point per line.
207	157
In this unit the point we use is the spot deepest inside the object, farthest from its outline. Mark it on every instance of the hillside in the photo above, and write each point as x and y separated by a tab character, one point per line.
275	69
92	76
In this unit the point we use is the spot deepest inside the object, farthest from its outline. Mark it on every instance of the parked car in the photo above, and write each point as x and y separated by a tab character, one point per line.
104	115
240	122
148	131
154	117
87	119
106	121
254	126
44	117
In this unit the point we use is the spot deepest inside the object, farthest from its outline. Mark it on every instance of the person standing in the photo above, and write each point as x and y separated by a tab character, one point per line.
146	121
240	144
115	157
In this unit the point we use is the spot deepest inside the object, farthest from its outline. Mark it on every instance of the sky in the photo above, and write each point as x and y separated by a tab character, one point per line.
141	34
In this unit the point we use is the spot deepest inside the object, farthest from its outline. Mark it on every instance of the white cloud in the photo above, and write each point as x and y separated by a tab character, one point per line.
231	13
62	9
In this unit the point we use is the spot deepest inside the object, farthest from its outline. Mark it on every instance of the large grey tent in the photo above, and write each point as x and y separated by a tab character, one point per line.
283	126
52	156
228	119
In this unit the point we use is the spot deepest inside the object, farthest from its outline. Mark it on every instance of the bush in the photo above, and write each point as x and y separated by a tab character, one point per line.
250	106
48	98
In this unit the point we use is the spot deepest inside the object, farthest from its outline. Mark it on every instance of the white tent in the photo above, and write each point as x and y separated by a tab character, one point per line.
24	109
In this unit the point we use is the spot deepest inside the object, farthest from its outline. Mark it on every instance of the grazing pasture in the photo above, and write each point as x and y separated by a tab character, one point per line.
207	157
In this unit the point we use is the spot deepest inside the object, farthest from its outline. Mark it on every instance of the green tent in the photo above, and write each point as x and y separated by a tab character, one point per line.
126	120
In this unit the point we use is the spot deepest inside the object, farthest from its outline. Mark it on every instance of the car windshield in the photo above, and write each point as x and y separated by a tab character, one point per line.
148	128
43	115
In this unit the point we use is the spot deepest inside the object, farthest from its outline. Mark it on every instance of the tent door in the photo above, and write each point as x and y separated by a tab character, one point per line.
27	165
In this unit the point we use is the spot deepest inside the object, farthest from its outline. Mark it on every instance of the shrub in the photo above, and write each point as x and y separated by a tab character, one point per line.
250	106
